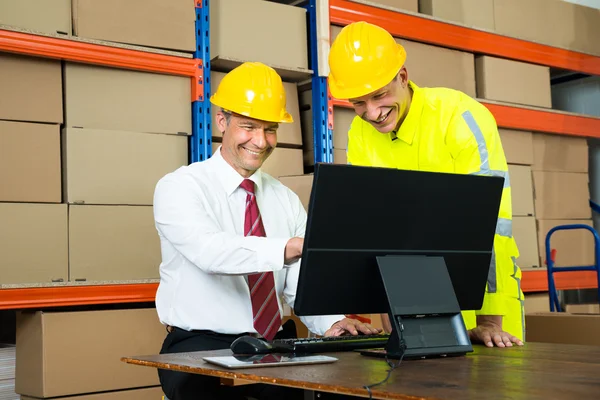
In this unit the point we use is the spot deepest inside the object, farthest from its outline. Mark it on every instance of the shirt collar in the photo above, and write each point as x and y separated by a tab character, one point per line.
230	179
407	130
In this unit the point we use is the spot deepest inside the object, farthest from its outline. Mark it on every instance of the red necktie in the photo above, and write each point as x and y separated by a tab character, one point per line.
262	286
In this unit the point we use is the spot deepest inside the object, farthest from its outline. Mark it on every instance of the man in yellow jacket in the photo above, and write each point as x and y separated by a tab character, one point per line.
400	125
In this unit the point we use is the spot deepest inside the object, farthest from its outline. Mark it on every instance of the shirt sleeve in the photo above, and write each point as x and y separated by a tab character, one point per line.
316	324
474	141
181	217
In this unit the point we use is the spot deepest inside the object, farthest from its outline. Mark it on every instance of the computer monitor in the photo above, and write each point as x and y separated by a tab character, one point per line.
416	245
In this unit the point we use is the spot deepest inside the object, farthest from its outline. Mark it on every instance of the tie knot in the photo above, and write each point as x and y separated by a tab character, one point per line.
248	186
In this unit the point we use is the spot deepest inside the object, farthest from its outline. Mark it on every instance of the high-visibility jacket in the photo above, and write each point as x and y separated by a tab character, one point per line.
447	131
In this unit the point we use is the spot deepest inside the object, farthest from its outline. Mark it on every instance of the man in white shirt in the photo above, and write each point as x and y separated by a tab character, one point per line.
220	251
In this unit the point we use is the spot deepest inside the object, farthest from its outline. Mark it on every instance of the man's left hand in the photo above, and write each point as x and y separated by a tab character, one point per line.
351	327
489	332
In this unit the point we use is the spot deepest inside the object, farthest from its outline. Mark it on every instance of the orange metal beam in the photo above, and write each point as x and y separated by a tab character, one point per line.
537	281
529	119
71	50
427	30
14	299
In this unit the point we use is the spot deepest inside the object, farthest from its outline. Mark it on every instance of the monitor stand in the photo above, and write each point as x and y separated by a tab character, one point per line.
424	313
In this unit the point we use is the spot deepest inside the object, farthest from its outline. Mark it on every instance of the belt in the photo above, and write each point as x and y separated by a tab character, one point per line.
171	328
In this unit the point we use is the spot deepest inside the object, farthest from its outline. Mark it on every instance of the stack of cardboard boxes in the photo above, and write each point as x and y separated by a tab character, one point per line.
81	150
83	146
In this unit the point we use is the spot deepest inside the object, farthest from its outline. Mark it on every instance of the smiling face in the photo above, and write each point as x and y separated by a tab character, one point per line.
247	142
387	107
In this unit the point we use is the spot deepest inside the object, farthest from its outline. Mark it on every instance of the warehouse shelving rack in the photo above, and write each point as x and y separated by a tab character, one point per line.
430	30
200	147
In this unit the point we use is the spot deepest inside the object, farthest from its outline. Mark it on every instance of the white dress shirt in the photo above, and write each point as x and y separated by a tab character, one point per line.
199	212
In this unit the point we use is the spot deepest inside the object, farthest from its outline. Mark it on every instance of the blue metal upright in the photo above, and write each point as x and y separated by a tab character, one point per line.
321	100
201	139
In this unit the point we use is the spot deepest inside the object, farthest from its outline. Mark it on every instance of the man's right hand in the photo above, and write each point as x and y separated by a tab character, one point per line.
293	250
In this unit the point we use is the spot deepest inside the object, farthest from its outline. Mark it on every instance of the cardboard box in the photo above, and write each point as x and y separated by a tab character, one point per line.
582	308
33	243
525	234
301	185
521	185
153	393
277	38
561	195
423	65
31	89
112	243
118	167
407	5
529	84
563	328
552	22
287	133
472	13
153	23
560	153
340	156
573	247
48	16
29	162
517	145
537	302
69	353
126	100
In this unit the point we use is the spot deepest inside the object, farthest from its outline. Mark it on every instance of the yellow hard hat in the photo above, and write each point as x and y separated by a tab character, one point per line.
363	58
254	90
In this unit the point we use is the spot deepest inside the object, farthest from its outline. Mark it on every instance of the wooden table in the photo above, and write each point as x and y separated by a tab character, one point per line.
534	371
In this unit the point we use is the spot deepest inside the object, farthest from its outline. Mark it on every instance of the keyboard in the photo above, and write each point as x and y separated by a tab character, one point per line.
326	344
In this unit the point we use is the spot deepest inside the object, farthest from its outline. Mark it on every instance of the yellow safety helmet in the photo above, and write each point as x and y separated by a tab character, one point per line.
254	90
363	58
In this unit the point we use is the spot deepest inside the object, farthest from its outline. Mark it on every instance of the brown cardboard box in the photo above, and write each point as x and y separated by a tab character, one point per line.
473	13
126	100
282	162
33	243
301	185
29	162
561	195
48	16
339	156
112	243
517	145
573	247
287	133
552	22
30	89
153	393
521	185
68	353
277	38
118	167
528	84
408	5
525	234
560	153
537	302
154	23
563	328
423	64
583	308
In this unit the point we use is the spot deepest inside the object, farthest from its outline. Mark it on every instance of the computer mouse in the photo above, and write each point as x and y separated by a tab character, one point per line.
250	345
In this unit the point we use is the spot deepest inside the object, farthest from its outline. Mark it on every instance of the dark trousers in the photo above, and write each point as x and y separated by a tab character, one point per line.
185	386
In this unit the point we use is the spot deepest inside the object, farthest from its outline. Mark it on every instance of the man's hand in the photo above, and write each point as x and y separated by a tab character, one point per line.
293	250
352	327
489	332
